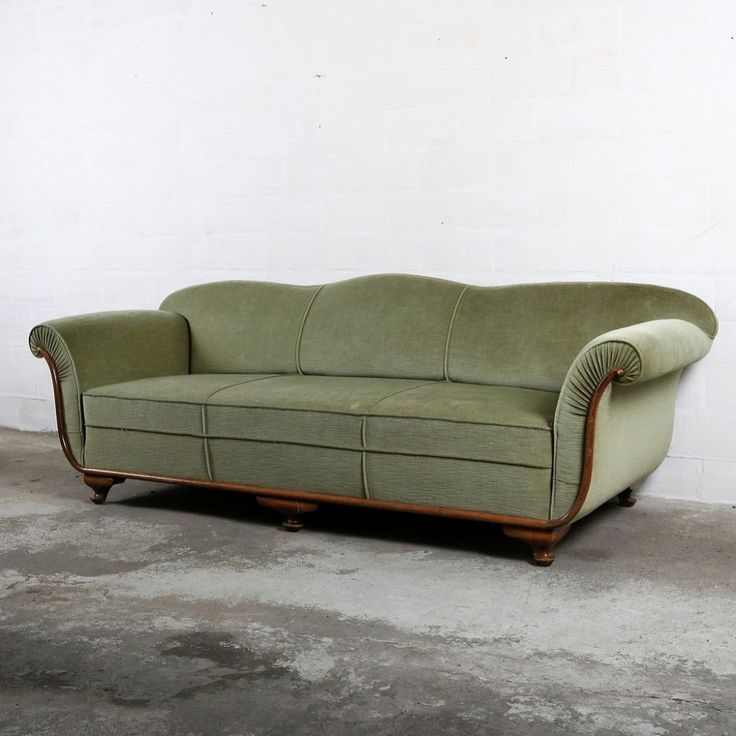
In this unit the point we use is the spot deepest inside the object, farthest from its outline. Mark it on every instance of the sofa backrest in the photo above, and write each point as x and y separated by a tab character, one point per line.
390	325
528	335
407	326
242	326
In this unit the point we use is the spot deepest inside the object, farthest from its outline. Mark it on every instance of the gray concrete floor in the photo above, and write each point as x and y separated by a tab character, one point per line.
180	611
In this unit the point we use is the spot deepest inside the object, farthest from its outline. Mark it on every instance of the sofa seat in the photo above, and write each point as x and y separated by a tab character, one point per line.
498	424
349	435
167	404
435	418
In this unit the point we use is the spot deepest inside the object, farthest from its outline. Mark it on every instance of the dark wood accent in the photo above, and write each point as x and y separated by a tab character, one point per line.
311	498
292	509
59	406
588	446
625	498
318	498
100	485
542	541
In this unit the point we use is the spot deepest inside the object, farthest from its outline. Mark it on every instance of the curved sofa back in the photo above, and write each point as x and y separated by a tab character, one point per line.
407	326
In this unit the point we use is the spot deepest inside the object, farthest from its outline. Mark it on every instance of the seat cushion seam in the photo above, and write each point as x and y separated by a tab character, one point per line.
336	413
210	437
172	401
396	393
469	422
356	450
234	406
239	383
138	398
457	457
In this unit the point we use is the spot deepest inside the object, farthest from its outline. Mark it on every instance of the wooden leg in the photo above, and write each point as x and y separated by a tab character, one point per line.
100	486
625	498
542	541
292	509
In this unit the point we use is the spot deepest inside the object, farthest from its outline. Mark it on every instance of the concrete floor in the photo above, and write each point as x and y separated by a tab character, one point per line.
175	611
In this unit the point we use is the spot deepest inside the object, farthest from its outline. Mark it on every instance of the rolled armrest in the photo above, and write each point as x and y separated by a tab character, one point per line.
645	352
92	350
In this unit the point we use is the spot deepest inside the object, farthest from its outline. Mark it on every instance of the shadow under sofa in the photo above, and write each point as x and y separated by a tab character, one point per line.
528	406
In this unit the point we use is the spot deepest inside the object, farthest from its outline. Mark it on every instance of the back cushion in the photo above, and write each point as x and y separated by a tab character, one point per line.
405	326
528	335
389	325
242	326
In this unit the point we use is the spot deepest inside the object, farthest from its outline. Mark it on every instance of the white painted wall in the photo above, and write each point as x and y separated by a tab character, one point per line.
148	145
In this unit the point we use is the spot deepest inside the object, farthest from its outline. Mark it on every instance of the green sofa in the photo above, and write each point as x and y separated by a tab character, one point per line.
528	406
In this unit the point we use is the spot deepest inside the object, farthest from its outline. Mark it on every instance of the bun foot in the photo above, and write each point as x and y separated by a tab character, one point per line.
543	557
292	510
542	541
100	486
625	498
292	524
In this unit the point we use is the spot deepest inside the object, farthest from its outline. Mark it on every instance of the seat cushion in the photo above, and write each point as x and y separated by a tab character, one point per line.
326	411
393	415
167	404
289	431
433	442
154	425
467	421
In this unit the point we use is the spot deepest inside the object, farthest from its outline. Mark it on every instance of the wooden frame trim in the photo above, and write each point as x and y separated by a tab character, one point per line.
314	497
59	408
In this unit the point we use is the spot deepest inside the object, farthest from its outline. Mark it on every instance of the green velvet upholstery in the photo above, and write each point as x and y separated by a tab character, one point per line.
296	467
96	349
390	387
165	404
172	455
402	326
460	484
393	326
647	351
243	326
498	424
528	335
633	433
326	433
324	411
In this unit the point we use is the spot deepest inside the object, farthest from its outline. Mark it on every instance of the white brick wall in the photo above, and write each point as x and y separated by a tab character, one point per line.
145	146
